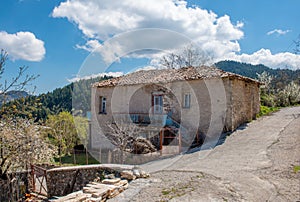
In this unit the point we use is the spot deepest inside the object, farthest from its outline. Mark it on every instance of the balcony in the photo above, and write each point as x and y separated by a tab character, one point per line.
156	120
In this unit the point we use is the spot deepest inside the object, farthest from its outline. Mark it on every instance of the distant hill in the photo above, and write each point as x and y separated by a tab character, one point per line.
281	76
60	99
12	95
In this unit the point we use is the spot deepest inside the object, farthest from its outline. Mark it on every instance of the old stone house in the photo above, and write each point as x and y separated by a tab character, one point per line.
174	106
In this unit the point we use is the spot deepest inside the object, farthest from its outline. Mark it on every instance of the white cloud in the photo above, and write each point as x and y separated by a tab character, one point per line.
78	78
278	32
90	45
22	45
265	56
99	20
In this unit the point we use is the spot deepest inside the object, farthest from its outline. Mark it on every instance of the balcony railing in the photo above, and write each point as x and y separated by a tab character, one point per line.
141	118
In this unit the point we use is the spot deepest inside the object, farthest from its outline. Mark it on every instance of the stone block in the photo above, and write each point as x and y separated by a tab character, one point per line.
128	174
111	181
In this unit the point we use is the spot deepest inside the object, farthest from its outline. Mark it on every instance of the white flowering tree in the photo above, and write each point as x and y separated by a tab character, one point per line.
290	95
266	79
22	143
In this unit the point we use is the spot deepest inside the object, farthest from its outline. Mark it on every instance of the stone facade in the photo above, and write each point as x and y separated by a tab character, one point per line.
219	102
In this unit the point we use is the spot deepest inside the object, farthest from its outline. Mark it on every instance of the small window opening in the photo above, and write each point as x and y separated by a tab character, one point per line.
102	108
187	101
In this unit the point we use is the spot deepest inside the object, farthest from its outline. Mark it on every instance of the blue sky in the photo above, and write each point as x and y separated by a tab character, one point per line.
54	38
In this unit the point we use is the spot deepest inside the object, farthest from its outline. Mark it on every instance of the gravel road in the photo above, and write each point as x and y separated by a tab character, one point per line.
256	163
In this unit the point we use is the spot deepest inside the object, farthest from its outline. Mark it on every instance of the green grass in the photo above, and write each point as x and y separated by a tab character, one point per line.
80	159
166	192
264	110
296	169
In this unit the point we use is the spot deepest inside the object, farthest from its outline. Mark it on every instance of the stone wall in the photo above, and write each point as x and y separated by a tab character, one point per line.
65	180
245	101
217	105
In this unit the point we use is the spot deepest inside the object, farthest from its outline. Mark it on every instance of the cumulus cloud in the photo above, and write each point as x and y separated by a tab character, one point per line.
22	45
90	45
278	32
284	60
99	20
216	35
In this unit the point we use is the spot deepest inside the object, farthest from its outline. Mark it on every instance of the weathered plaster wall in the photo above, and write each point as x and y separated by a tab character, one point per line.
217	105
99	121
245	101
210	110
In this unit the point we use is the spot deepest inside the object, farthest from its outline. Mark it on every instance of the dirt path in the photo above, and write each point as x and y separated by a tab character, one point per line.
255	163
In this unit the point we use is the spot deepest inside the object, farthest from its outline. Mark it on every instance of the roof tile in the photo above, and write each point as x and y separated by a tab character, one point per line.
169	75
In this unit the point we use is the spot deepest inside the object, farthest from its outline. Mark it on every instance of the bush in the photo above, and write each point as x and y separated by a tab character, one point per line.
265	110
267	100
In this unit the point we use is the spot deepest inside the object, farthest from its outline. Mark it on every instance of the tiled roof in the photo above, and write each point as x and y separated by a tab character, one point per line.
169	75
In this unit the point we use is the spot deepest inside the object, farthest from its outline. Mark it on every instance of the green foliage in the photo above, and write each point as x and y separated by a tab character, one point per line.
62	131
296	169
281	77
75	97
265	110
29	108
267	100
80	159
281	87
66	131
82	126
166	192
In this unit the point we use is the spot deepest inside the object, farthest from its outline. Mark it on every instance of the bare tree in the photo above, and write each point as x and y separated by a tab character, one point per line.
122	135
20	140
187	57
297	45
127	137
19	82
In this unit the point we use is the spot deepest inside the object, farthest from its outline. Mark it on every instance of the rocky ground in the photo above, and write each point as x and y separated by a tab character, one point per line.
256	163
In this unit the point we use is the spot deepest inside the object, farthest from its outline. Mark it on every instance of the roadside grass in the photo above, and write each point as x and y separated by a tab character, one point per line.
166	192
265	110
80	159
177	191
296	169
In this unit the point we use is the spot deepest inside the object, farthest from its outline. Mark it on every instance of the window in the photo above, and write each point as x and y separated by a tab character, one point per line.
157	104
187	101
102	108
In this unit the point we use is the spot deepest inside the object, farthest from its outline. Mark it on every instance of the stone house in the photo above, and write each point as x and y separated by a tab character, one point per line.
174	106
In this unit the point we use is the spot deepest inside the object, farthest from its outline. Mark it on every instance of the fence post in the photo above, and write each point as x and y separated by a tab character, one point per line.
109	156
100	155
74	156
33	181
